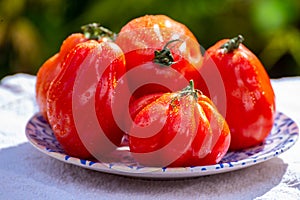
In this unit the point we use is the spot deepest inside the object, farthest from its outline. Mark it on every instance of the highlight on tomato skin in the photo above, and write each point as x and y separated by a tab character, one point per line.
160	46
52	66
178	129
250	99
77	99
154	31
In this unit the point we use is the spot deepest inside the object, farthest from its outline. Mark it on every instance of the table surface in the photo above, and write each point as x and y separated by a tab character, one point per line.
26	173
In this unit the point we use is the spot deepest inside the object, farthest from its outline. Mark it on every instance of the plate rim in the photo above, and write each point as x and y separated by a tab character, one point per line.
158	172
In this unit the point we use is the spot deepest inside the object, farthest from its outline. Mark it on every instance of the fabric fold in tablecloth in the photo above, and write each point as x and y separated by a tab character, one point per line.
26	173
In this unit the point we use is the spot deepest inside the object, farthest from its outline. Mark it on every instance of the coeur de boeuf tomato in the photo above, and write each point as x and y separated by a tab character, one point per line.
51	67
154	31
80	97
161	54
178	129
250	101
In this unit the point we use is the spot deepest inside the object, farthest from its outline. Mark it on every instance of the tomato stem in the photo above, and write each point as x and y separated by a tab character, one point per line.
95	31
164	56
190	90
232	44
192	85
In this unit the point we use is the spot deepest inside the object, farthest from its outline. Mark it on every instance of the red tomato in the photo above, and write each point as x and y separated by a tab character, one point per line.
148	73
250	101
178	129
50	69
154	31
81	95
136	105
161	54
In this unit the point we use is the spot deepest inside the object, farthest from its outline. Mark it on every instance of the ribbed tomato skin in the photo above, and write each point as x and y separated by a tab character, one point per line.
250	99
177	130
72	97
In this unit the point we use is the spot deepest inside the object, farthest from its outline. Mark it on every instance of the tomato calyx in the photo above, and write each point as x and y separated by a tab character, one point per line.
94	31
189	90
164	57
232	44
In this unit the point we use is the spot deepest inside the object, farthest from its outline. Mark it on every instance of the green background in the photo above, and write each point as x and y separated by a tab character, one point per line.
32	30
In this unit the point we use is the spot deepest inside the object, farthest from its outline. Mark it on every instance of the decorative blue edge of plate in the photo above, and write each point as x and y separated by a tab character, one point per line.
283	136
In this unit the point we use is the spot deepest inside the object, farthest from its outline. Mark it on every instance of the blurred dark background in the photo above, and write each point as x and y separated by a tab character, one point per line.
32	30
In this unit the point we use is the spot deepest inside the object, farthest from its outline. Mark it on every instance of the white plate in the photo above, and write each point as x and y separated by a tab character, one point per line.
282	137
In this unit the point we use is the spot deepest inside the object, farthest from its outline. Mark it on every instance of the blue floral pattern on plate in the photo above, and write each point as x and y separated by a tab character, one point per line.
283	136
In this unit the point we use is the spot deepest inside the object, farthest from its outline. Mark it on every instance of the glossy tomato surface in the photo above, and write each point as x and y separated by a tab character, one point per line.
154	31
146	76
250	99
51	68
161	54
178	129
75	106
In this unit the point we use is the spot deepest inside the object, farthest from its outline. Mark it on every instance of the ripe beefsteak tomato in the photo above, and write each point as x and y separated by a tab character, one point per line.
250	101
154	31
178	129
162	55
51	67
80	98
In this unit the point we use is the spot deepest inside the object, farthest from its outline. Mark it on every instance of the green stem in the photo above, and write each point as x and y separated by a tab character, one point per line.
232	44
190	90
95	31
192	86
164	56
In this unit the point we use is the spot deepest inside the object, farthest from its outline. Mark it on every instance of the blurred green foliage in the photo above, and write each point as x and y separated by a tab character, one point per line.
32	30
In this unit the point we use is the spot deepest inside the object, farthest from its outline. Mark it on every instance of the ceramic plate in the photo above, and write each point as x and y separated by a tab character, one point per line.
282	137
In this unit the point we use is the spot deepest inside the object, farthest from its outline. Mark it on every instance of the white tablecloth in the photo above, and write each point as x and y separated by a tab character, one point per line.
26	173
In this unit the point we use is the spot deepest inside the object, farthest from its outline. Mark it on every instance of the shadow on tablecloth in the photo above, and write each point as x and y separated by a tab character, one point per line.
36	175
